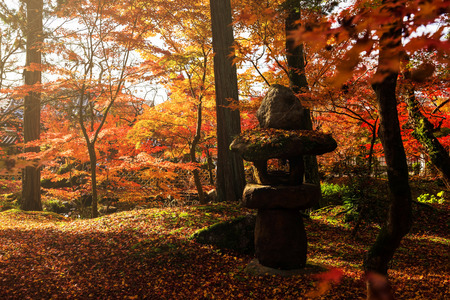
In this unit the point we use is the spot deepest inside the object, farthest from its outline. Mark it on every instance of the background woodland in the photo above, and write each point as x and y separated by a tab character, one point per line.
108	105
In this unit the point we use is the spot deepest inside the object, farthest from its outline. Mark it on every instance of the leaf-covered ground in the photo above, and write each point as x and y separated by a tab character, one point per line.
147	254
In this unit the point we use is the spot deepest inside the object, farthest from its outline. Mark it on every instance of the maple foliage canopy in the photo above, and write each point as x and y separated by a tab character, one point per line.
102	53
105	137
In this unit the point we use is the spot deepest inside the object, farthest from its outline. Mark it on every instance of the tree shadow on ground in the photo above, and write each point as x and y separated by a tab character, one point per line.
147	255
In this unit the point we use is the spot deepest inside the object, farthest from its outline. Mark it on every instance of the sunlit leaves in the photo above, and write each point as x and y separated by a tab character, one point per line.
365	22
147	254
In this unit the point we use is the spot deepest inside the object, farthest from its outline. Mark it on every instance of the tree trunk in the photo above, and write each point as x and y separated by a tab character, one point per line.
93	163
31	181
210	167
311	165
193	147
423	132
372	145
230	168
399	219
294	52
297	79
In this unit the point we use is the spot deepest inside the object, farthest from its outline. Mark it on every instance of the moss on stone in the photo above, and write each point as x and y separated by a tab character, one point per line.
265	143
236	234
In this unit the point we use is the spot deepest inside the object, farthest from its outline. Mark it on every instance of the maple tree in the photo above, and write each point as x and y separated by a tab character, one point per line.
295	58
351	115
269	15
399	218
267	44
92	116
183	64
180	129
389	26
97	63
319	33
11	44
326	52
423	128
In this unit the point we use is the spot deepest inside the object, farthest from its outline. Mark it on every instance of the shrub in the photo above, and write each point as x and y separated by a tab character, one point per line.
363	199
430	198
334	194
54	205
366	200
10	186
6	204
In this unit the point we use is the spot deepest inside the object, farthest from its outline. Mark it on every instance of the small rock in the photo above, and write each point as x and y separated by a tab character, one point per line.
280	109
237	235
108	210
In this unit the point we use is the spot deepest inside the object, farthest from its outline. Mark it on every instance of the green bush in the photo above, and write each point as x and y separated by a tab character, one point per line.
9	201
430	198
363	199
334	194
53	205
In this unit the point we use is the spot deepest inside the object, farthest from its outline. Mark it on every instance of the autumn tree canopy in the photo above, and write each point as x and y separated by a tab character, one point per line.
75	107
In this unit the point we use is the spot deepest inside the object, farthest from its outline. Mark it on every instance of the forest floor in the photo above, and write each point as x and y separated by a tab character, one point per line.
147	254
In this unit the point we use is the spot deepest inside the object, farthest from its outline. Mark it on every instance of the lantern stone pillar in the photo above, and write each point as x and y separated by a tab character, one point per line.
280	194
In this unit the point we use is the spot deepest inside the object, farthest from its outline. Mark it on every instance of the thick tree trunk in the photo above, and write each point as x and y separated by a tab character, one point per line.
294	51
230	168
423	132
31	182
297	79
399	218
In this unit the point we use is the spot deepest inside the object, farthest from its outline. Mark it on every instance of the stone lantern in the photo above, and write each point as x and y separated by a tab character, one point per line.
280	194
